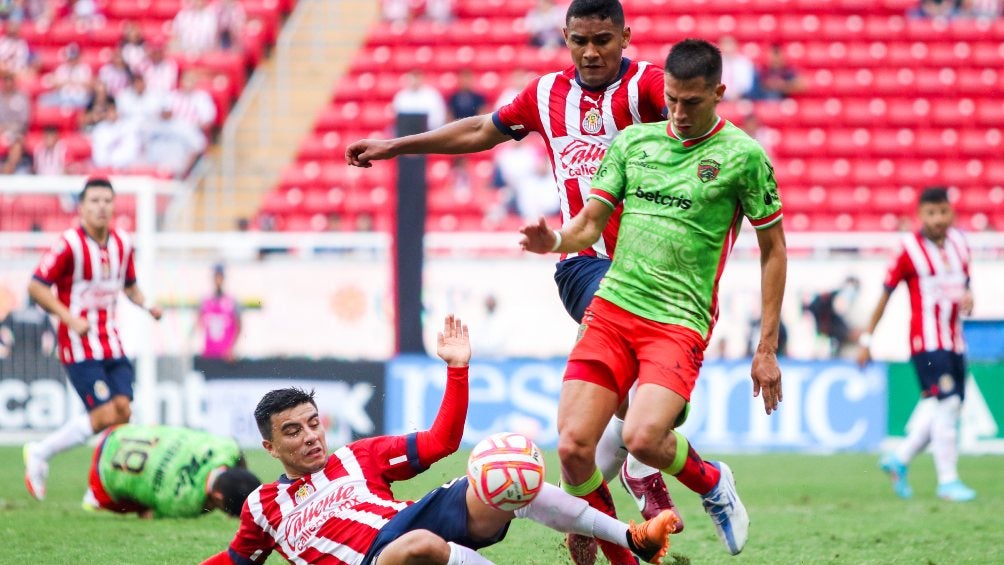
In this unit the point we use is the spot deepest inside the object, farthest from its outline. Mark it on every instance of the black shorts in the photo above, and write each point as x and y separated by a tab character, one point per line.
941	373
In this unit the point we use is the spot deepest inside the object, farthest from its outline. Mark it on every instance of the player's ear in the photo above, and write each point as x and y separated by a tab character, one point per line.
267	445
627	37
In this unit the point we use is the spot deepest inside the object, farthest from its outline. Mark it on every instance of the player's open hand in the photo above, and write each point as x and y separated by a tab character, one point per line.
361	153
454	343
766	376
155	312
537	238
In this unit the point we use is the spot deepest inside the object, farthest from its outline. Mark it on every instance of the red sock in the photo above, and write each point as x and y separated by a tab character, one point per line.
601	500
697	474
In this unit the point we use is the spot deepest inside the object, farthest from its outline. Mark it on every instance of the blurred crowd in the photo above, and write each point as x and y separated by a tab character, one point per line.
131	107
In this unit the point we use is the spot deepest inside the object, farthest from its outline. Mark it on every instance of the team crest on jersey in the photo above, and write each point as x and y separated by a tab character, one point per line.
101	391
946	383
302	493
707	170
593	122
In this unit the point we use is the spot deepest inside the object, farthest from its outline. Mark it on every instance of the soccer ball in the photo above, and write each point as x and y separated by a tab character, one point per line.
506	470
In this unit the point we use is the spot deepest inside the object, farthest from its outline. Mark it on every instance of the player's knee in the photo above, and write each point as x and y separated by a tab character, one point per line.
573	449
123	414
645	442
421	546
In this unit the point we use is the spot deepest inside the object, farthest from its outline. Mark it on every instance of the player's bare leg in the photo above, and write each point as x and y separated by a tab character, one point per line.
584	409
422	547
657	409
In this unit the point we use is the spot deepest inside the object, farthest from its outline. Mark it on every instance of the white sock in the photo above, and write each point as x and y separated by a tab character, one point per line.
461	555
569	514
610	451
73	433
918	430
637	469
944	439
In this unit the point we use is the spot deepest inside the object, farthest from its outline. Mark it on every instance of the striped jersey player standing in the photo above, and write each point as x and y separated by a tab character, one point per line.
338	508
934	264
89	266
578	112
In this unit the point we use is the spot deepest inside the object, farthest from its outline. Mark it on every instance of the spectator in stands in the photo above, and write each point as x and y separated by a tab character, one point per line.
14	52
160	71
544	23
97	106
171	144
193	105
738	72
526	179
195	28
396	11
419	98
439	10
49	156
777	79
466	101
230	20
70	83
25	10
518	79
115	74
935	9
85	13
17	160
766	136
15	108
982	9
115	143
138	102
133	47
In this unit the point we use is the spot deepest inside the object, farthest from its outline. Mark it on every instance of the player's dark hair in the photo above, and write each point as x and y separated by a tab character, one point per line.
602	9
235	484
933	195
96	182
695	58
276	401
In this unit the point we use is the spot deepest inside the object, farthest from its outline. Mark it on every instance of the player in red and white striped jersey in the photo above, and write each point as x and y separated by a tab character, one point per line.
934	264
578	112
88	267
339	508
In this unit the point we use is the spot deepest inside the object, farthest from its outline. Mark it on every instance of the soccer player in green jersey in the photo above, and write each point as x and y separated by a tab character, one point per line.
162	471
686	185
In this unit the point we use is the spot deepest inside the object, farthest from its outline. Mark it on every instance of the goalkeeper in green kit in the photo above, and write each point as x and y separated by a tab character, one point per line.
167	472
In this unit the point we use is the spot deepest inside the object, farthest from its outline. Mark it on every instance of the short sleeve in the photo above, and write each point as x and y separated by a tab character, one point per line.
55	264
900	268
611	178
759	196
651	95
521	116
130	277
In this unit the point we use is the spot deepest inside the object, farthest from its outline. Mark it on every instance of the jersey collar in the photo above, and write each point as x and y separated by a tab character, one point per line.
690	142
625	62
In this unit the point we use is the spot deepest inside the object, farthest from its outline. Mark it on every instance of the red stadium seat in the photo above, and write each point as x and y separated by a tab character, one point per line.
990	112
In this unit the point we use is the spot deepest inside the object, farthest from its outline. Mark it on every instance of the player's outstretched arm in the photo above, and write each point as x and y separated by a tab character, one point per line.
135	295
765	372
579	233
454	343
469	135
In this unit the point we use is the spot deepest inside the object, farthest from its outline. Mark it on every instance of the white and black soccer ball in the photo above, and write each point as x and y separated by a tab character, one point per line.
506	470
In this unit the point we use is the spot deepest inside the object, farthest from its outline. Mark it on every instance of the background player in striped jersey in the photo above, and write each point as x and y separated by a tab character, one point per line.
685	186
339	508
167	472
577	112
88	266
934	264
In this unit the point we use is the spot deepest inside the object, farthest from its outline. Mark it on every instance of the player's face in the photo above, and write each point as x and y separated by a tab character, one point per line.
691	104
298	440
96	208
596	46
935	217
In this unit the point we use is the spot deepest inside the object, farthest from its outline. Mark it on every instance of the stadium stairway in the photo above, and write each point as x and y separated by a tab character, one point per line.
312	53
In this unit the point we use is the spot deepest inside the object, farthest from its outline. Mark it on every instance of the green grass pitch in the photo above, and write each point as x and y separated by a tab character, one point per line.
803	508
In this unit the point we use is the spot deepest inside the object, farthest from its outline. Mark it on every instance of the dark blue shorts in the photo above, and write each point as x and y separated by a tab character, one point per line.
442	512
98	381
578	279
941	373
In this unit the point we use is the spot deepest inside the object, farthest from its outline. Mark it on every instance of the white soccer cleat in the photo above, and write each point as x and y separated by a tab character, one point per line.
726	511
36	471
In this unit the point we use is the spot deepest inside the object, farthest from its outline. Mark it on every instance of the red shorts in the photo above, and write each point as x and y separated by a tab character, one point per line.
636	349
